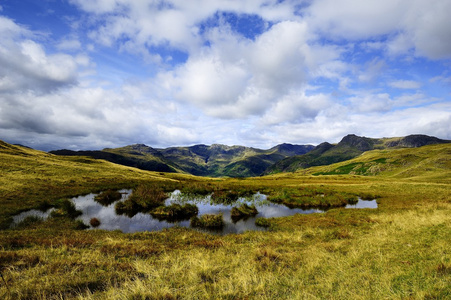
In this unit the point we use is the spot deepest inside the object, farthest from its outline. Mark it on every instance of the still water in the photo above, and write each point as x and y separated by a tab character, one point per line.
109	220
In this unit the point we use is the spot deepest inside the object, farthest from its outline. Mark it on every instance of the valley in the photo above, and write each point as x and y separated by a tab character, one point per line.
398	250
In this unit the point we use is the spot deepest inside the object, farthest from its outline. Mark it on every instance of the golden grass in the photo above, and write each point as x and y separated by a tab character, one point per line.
399	251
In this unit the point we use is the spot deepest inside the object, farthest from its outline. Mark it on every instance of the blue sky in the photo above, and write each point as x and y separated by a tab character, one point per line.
90	74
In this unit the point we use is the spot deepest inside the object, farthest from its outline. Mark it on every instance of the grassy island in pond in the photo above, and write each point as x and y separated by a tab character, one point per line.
208	221
401	250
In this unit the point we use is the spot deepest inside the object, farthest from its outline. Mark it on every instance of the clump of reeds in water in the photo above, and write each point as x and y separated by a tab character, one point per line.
107	197
244	210
175	212
65	208
208	221
144	198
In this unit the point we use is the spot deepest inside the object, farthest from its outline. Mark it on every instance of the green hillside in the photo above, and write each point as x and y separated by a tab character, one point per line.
200	160
33	179
425	163
349	147
398	251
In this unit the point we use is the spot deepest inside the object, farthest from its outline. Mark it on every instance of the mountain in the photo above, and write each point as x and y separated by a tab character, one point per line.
201	160
349	147
133	156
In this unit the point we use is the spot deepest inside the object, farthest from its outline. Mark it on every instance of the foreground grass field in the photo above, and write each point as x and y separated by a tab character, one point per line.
402	250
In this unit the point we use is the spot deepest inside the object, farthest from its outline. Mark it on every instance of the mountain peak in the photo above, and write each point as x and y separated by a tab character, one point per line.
359	142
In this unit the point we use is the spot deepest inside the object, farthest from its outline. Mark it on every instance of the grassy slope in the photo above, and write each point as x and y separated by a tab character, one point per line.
399	251
31	178
349	147
425	163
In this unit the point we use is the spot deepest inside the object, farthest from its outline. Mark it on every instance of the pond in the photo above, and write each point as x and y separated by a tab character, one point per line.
109	220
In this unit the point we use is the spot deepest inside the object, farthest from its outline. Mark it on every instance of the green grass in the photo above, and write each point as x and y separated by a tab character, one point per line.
399	251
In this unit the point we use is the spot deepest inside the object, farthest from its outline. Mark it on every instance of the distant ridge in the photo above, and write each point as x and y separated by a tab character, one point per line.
216	160
349	147
239	161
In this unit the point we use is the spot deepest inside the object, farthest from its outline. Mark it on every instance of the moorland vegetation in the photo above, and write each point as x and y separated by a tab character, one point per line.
399	251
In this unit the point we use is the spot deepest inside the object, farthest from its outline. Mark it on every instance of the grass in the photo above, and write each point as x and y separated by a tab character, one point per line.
175	212
207	221
399	251
108	197
262	222
243	211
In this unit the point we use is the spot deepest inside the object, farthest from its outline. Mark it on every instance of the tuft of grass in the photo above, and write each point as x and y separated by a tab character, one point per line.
175	212
262	222
108	197
144	198
208	221
243	211
65	208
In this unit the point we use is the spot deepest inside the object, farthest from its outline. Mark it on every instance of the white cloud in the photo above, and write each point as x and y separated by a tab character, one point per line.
296	107
405	84
235	77
355	19
26	65
417	24
311	75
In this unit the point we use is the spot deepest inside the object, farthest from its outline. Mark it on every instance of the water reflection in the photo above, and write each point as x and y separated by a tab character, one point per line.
109	220
31	213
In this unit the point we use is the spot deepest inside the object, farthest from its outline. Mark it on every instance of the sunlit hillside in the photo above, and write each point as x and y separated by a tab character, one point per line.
425	163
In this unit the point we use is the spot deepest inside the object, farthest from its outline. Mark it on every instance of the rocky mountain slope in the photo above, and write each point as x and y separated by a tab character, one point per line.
202	160
349	147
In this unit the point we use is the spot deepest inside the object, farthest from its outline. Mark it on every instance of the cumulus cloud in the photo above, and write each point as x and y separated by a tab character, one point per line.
237	77
311	71
26	65
409	24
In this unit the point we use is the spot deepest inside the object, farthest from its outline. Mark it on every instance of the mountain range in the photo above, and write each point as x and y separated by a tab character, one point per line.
349	147
239	161
200	160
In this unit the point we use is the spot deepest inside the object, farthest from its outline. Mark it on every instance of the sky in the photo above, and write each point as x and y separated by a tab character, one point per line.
91	74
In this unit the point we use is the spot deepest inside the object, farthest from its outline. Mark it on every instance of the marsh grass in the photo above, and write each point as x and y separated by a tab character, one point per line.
208	221
175	212
399	251
143	198
108	197
309	197
262	222
243	211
